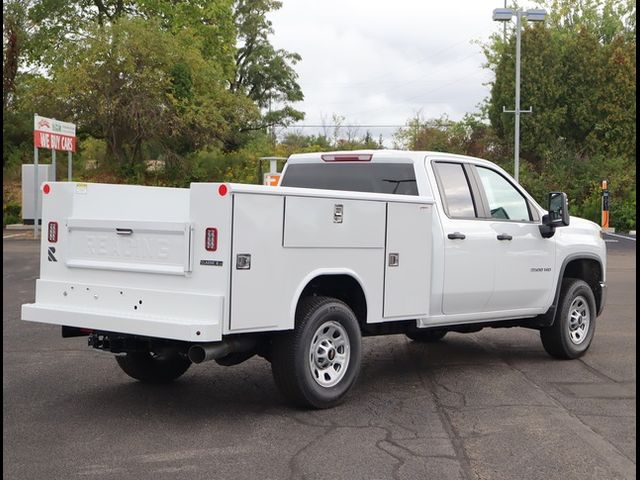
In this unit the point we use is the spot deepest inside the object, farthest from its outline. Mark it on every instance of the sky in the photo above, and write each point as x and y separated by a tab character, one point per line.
381	63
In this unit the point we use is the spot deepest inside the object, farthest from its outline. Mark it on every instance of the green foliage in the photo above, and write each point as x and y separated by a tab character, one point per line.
579	75
11	214
263	73
153	79
470	136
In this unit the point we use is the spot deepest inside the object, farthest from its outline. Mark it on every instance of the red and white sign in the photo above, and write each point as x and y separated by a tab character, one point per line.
53	134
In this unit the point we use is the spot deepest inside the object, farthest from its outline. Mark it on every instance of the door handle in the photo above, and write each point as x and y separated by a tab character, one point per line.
456	236
505	236
124	231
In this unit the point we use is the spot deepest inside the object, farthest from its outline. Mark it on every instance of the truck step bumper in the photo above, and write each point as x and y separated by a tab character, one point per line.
175	329
162	314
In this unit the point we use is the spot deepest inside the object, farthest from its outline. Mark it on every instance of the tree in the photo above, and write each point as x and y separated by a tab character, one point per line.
569	67
263	73
135	85
579	75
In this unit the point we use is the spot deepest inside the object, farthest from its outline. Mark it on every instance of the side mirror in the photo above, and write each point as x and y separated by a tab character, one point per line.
558	215
558	209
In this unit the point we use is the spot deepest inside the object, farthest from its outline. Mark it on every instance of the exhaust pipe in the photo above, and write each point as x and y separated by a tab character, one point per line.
204	352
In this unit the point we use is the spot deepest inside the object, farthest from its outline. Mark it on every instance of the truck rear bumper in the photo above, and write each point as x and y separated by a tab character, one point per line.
161	314
129	324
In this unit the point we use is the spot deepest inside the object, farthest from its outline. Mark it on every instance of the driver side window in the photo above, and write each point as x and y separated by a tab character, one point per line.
505	202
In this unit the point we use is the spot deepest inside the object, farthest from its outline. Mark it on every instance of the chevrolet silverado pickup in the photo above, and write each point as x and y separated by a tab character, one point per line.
350	244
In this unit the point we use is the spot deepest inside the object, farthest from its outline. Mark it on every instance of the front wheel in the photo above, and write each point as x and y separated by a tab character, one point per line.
151	367
316	364
572	331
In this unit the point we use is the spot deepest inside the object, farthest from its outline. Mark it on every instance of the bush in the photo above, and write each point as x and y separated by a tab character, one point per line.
11	214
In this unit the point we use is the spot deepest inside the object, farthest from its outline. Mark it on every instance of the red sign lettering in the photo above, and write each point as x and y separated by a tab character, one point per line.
54	141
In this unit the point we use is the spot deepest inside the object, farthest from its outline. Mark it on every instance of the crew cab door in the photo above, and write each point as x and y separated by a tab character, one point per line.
469	242
524	261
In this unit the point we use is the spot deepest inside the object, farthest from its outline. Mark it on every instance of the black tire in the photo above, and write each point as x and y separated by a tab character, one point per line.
292	361
151	368
557	339
426	336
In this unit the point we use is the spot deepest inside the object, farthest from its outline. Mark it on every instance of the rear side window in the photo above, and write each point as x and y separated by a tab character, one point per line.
455	190
398	178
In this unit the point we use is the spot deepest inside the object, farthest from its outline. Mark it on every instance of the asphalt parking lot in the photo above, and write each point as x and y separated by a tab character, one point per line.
489	405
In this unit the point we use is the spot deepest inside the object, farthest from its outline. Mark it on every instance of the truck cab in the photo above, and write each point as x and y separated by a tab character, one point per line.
493	257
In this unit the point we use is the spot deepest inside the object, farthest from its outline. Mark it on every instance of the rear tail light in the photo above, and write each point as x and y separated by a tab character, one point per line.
211	239
348	157
52	232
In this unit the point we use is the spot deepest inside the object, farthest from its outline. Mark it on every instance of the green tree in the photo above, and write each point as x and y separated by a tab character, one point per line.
136	85
263	73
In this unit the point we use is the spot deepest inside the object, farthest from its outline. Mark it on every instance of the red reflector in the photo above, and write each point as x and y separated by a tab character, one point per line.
211	239
52	231
222	190
361	157
46	189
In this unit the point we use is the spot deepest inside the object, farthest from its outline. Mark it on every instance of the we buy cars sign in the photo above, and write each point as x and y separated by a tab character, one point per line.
54	134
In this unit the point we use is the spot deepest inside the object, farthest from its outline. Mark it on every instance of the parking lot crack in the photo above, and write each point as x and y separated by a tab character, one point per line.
445	418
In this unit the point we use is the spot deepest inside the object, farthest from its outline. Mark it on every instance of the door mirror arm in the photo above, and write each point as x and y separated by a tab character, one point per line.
547	229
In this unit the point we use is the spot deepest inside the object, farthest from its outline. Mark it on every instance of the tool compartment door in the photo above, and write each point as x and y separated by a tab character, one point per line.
407	279
257	299
128	245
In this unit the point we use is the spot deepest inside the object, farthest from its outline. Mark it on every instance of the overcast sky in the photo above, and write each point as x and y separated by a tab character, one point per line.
381	62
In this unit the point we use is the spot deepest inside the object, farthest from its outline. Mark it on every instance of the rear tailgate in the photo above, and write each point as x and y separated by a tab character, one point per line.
132	259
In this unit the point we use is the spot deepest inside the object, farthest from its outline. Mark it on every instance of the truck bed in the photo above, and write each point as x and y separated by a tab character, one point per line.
215	259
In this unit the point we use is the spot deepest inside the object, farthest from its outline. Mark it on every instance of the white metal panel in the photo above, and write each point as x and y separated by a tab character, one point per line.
45	174
312	223
525	267
134	246
469	269
408	276
257	294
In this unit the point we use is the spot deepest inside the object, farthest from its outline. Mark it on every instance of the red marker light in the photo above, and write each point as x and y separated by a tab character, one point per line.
222	190
46	189
52	232
211	239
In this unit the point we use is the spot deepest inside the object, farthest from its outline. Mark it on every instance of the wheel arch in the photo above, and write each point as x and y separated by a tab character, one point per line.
583	266
343	284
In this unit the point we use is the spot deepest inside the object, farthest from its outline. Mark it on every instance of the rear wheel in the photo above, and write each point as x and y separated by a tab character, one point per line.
572	331
316	364
151	367
426	336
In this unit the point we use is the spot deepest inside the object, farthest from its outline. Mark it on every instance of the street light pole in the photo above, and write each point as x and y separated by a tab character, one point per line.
503	15
517	112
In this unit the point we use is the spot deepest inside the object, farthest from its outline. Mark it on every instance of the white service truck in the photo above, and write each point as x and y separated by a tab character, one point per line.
350	244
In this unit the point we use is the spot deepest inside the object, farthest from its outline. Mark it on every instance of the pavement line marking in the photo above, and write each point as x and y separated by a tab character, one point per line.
620	236
14	235
612	241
